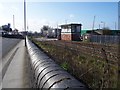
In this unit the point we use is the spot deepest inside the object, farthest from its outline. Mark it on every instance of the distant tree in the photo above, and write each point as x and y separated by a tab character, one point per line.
7	28
107	31
30	33
106	28
10	30
35	33
45	28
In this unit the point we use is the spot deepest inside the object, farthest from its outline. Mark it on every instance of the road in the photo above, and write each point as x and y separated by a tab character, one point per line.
6	45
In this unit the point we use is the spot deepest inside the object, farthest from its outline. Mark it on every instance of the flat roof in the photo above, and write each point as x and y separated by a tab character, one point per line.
71	24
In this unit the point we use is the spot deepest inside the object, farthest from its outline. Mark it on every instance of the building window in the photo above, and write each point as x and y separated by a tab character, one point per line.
73	28
78	29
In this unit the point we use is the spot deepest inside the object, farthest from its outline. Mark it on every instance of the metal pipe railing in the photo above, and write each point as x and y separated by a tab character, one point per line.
48	75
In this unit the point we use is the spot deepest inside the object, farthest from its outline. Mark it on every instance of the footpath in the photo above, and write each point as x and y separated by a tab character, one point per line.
15	72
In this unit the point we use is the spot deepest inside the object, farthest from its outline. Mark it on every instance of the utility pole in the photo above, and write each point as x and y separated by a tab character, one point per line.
13	22
93	23
115	25
27	26
66	21
103	24
118	15
57	30
25	20
99	26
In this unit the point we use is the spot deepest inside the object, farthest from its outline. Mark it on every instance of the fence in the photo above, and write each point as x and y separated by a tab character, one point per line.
105	39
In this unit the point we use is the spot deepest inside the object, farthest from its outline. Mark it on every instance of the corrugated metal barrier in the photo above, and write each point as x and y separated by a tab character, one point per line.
48	75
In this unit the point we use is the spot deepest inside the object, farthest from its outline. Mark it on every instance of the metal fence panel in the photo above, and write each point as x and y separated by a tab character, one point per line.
105	39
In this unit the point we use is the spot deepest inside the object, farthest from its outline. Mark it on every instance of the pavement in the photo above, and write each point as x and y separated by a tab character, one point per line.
15	72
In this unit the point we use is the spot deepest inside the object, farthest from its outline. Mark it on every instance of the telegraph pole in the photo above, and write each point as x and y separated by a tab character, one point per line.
118	15
115	25
57	30
25	20
103	24
93	23
27	26
99	26
66	21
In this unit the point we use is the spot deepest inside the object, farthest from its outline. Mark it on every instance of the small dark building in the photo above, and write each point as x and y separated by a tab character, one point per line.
71	32
58	33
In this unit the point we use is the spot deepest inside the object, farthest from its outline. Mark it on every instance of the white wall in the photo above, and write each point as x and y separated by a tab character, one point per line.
66	30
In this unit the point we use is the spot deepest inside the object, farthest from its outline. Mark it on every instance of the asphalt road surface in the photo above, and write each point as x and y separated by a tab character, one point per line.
7	44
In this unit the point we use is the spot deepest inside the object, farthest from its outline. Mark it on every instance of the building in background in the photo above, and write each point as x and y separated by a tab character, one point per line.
58	33
7	27
15	31
71	32
54	33
101	36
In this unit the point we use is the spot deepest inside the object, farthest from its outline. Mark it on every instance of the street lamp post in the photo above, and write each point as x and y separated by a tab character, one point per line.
66	20
93	23
99	26
103	24
115	25
25	19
